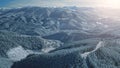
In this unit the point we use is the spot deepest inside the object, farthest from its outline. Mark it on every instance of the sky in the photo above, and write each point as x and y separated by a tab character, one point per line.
60	3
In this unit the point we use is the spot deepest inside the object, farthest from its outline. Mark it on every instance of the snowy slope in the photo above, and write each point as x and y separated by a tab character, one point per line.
104	55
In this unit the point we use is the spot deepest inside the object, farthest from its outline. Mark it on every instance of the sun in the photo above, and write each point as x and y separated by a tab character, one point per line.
111	3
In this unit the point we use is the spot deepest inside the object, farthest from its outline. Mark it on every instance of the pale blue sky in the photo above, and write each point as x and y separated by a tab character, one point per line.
52	3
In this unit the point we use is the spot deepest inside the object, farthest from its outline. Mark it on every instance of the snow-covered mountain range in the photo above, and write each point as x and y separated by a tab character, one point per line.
61	37
46	21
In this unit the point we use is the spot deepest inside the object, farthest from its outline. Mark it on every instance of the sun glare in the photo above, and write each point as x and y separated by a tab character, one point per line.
111	3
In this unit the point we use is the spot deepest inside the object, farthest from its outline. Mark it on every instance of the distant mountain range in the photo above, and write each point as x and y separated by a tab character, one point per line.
46	21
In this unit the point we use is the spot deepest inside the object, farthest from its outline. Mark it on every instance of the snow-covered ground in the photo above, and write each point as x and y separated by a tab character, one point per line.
46	50
17	53
99	45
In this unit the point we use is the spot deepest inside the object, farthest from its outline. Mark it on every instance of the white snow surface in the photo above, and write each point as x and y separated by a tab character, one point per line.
17	53
46	50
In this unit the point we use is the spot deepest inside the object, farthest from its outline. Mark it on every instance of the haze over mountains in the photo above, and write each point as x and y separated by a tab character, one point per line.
63	37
